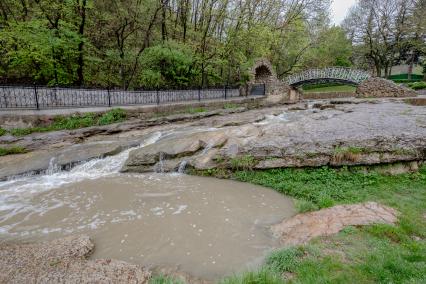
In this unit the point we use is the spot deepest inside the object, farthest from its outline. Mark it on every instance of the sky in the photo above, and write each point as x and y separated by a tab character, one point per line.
339	8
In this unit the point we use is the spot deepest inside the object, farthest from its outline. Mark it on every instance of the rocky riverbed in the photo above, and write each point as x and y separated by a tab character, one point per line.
327	132
324	132
335	133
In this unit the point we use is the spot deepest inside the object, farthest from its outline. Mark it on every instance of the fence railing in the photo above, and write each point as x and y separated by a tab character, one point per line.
36	97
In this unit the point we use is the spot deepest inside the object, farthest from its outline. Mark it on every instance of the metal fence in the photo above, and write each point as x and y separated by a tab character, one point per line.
36	97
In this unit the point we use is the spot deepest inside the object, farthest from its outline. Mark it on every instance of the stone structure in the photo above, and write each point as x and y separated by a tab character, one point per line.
379	87
276	90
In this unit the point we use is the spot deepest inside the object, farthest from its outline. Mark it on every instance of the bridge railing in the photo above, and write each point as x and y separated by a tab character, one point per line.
347	74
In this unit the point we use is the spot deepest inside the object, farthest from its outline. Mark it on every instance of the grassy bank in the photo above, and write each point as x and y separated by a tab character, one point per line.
72	122
371	254
341	88
12	150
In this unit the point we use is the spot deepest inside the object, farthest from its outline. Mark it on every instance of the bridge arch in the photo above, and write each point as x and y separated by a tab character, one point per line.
331	74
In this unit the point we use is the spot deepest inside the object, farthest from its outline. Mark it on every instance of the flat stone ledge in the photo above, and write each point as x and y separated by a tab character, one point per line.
303	227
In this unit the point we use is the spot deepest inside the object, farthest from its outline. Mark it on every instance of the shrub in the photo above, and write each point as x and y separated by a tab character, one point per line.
418	85
243	163
169	65
2	131
112	116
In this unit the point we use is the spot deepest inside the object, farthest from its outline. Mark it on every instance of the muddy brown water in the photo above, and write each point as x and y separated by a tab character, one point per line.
204	226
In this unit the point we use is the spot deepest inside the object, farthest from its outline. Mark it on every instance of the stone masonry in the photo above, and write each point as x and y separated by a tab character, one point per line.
379	87
276	90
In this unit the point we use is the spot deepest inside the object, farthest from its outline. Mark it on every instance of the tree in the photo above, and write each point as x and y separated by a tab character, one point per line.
105	43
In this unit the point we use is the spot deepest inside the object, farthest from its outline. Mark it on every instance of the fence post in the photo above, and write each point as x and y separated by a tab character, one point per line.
225	91
36	96
158	96
199	93
109	97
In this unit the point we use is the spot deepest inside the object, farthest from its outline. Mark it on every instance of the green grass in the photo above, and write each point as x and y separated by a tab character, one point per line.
12	150
369	254
75	122
263	276
230	106
161	279
341	88
2	131
193	110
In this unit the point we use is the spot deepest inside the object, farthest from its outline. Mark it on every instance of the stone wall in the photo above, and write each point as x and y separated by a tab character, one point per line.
379	87
276	90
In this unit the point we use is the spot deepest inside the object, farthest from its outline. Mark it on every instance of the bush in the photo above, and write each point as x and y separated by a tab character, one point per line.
112	116
168	65
2	131
418	85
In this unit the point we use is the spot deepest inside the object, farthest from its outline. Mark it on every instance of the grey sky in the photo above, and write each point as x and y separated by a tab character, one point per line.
339	8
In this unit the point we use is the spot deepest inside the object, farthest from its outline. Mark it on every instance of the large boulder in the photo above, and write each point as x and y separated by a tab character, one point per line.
379	87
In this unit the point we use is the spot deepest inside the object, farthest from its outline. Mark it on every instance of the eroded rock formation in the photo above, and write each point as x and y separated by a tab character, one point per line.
322	136
304	227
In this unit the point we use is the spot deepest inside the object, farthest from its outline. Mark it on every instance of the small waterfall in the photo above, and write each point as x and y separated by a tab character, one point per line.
182	167
207	148
159	167
55	177
53	167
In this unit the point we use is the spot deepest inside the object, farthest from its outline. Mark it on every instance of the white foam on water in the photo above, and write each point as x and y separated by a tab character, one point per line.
88	170
16	193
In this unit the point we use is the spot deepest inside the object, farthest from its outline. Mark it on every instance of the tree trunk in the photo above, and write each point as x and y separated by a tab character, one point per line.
80	69
410	66
163	20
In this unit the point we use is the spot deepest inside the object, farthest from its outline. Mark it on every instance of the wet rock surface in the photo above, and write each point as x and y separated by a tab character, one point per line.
64	261
361	133
334	132
304	227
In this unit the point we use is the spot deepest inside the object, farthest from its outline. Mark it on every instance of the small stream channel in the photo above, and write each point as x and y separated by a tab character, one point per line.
204	226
